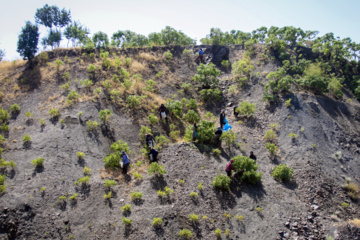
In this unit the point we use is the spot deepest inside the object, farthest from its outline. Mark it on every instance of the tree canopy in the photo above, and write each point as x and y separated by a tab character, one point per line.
28	41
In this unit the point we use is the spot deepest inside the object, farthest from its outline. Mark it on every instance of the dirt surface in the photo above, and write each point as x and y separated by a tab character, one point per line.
308	207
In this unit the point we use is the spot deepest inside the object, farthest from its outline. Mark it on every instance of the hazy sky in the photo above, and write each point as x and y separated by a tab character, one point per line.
193	17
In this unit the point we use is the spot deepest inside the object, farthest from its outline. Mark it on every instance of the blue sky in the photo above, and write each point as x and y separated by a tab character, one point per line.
194	18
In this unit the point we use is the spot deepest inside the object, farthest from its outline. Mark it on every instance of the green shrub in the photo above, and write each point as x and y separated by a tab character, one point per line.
216	152
274	126
335	87
168	56
156	222
345	205
62	198
144	130
222	182
71	97
105	115
84	180
137	176
227	216
26	138
194	218
258	209
192	104
282	173
29	115
4	115
58	63
207	75
92	125
239	217
191	116
2	179
186	86
136	195
139	163
38	162
161	141
65	86
212	95
228	137
292	135
91	68
153	119
73	197
109	183
133	101
87	171
218	233
166	193
80	155
112	160
225	64
174	107
174	135
86	82
246	109
288	103
205	131
185	233
248	168
126	208
43	189
2	188
15	108
108	195
156	168
194	194
126	221
4	127
270	135
2	139
200	186
54	113
271	147
149	85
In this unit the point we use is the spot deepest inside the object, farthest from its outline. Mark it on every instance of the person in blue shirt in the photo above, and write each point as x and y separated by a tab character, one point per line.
126	162
153	154
200	57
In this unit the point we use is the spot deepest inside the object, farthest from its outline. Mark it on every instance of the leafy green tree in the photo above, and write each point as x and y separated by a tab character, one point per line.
53	39
105	115
76	33
229	137
207	75
2	54
100	40
28	41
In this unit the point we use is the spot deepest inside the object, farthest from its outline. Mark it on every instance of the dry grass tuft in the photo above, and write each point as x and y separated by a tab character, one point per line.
136	67
10	65
149	57
355	222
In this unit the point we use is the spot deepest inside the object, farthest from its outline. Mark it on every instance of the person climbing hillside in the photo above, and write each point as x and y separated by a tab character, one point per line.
200	57
217	141
153	154
126	162
223	120
195	134
252	156
150	140
229	167
163	112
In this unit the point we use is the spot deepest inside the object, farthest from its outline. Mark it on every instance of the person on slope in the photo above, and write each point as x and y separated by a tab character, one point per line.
195	133
153	154
150	140
126	162
252	156
200	57
163	112
229	167
223	120
217	141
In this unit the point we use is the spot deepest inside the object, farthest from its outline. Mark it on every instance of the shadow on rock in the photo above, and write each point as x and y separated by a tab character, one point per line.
108	132
226	199
159	231
29	122
37	170
14	115
54	120
158	182
292	185
81	162
256	192
27	144
94	135
138	202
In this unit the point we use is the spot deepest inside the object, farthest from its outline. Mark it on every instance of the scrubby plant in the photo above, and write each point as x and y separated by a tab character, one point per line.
228	137
2	179
72	97
225	64
156	222
126	208
4	127
43	189
126	221
200	186
108	195
216	152
73	197
185	233
139	163
38	162
2	139
91	68
161	141
181	181
136	196
26	138
2	188
65	86
282	173
192	104
62	198
239	217
271	147
174	107
207	75
166	193
54	113
133	101
292	135
29	114
221	182
345	205
227	232
246	109
92	125
227	215
194	218
258	209
210	95
150	85
194	195
205	131
137	176
191	116
80	155
86	83
109	183
274	126
144	130
270	135
218	233
168	56
156	168
84	180
153	119
15	108
4	115
288	103
186	87
87	171
248	169
112	160
352	189
242	70
42	122
58	63
105	115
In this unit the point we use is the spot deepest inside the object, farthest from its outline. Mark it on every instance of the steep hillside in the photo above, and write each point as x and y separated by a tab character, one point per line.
324	153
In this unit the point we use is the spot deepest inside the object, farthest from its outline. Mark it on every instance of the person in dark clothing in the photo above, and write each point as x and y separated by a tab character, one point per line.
150	140
163	112
153	154
200	57
217	141
252	156
126	162
229	167
195	134
222	118
236	113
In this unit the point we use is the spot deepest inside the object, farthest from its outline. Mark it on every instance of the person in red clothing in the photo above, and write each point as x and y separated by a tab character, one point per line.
229	167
